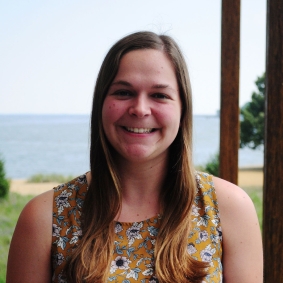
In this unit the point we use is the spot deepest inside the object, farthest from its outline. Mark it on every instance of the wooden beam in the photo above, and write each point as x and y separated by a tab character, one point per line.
273	155
229	111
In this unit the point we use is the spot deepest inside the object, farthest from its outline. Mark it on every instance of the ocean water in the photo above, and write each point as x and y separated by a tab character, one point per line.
32	144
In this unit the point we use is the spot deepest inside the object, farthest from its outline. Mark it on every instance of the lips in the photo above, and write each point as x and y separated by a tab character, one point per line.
139	130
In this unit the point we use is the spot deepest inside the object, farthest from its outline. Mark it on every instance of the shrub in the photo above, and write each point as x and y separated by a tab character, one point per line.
44	178
4	183
212	166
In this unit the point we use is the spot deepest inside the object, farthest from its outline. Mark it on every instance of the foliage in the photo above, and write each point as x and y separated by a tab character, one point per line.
212	166
256	197
43	178
252	118
10	209
252	126
4	183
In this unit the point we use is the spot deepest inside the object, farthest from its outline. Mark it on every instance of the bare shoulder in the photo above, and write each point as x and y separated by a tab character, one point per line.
242	244
30	250
38	211
229	194
235	206
45	198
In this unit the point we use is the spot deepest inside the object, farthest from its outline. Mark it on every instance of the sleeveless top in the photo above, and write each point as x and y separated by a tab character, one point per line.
133	252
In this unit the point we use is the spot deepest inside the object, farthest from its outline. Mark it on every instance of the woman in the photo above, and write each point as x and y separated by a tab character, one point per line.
141	214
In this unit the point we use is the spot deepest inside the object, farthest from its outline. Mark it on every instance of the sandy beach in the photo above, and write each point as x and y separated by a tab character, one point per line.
21	186
249	177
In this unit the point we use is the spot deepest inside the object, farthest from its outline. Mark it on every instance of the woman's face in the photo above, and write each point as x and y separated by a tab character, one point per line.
142	109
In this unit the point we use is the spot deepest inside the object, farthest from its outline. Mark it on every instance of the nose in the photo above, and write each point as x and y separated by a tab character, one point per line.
140	107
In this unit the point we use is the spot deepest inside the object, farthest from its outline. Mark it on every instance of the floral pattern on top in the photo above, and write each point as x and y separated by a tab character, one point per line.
133	254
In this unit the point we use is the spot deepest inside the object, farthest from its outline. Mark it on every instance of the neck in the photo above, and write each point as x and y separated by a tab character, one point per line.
141	186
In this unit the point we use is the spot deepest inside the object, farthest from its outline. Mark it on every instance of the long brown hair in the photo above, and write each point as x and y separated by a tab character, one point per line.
91	259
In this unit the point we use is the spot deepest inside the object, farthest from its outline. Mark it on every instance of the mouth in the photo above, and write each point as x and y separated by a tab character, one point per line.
139	130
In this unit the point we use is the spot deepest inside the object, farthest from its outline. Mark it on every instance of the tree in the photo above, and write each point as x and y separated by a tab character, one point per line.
4	183
252	126
252	118
212	166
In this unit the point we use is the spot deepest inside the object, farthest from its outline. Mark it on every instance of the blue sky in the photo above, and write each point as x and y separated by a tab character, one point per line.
51	50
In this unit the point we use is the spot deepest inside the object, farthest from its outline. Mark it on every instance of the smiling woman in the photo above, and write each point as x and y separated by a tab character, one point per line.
142	213
141	113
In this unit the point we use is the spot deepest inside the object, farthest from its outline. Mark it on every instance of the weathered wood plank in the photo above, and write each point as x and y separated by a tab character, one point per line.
229	111
273	156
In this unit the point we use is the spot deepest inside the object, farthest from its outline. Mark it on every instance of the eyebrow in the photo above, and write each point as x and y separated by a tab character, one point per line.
160	86
125	83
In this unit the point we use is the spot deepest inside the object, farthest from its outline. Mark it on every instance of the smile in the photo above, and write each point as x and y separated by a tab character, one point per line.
139	130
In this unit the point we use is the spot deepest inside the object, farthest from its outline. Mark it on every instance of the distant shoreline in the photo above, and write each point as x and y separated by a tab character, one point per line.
248	177
251	168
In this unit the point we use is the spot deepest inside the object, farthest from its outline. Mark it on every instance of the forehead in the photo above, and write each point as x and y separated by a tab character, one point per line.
146	61
149	55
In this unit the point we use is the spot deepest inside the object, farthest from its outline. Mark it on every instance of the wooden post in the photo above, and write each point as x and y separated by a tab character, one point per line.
229	111
273	155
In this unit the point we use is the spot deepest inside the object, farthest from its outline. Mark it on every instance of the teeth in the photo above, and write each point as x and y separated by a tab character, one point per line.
140	130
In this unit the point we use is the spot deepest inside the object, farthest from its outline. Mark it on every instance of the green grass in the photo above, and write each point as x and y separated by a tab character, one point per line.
255	194
44	178
10	209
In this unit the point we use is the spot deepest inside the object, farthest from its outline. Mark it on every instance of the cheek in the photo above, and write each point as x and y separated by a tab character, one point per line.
109	111
169	116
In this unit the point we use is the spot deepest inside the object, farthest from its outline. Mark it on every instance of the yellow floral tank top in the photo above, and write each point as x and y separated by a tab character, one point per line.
134	243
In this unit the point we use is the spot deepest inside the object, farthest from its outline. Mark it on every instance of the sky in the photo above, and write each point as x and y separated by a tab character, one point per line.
51	51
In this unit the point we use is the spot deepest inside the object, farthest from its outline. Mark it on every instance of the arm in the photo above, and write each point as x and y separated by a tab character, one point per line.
30	251
242	244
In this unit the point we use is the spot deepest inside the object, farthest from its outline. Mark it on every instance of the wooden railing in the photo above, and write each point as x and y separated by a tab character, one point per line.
229	110
273	155
229	128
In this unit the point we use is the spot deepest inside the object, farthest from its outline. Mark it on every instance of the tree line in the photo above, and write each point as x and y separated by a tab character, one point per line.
252	118
251	125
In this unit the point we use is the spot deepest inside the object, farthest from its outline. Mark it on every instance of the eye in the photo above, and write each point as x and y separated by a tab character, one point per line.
123	93
160	96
